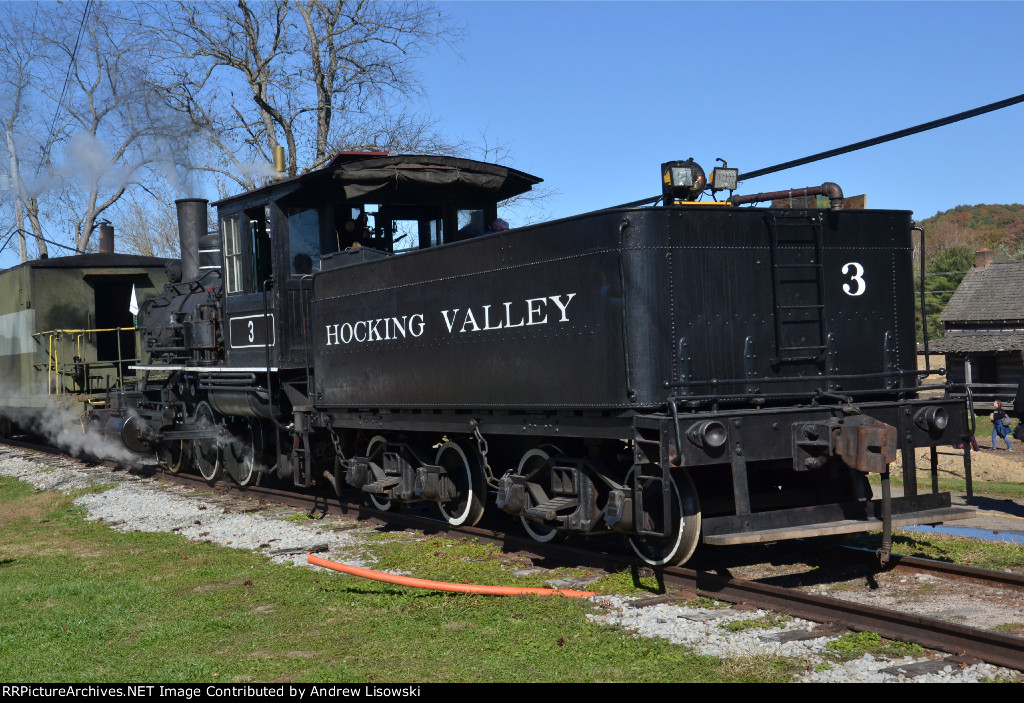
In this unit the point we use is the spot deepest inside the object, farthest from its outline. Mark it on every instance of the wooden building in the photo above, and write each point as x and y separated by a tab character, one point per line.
983	341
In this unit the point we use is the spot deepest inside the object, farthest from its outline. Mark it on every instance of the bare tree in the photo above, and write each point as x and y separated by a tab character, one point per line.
16	80
148	224
397	132
133	97
327	68
116	126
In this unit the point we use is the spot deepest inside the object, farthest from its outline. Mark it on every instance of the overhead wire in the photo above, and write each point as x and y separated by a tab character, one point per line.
15	229
924	127
10	233
899	134
53	122
67	77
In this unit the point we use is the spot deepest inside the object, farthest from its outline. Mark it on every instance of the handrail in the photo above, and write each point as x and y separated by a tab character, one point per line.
83	331
53	349
989	392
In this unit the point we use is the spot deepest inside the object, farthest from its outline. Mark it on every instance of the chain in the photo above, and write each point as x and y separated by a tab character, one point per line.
336	441
481	445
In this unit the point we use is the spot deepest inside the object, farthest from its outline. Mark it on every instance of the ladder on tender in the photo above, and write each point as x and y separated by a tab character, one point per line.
798	287
650	471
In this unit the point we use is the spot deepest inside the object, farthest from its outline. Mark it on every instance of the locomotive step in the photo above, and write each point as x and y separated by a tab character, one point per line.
924	517
548	510
382	485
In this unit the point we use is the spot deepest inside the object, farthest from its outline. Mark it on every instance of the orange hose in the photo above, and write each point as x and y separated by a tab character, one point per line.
442	586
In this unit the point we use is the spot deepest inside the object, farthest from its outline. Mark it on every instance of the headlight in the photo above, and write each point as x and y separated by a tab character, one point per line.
931	418
707	433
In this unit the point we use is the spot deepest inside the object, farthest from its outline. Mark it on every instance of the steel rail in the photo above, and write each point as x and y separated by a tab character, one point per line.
992	647
960	572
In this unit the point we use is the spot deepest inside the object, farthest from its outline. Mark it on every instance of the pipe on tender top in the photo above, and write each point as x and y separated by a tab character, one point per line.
832	190
191	226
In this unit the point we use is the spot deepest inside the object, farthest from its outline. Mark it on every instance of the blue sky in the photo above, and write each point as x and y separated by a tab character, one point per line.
594	96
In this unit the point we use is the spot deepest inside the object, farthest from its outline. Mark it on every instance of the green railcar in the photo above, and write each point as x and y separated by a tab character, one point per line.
67	334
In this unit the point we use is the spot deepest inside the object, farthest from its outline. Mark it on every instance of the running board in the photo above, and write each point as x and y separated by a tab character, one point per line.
827	520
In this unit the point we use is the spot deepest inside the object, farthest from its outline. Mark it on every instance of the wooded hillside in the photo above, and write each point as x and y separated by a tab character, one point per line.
952	237
998	227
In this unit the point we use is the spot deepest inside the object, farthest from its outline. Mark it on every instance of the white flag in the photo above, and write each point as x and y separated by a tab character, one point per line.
134	305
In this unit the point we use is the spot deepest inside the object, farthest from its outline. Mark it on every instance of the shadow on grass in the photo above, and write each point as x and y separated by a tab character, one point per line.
1003	505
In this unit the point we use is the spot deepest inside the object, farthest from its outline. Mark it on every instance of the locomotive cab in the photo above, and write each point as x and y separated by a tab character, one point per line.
361	206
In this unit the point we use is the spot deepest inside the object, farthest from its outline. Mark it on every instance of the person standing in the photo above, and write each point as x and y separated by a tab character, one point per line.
1000	425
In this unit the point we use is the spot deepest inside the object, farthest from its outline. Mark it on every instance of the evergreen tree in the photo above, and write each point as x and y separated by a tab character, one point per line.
944	273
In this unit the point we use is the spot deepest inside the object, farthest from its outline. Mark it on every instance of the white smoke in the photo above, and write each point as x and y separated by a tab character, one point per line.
178	175
256	170
35	177
88	163
71	432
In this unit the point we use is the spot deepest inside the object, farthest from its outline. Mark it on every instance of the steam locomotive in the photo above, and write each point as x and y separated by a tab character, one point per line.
678	373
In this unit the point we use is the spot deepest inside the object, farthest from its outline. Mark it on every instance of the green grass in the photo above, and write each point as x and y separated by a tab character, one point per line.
84	603
856	644
998	556
767	622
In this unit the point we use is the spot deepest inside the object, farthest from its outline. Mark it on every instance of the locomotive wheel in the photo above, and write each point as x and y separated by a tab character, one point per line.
255	443
175	455
375	453
239	454
533	463
684	534
207	451
467	507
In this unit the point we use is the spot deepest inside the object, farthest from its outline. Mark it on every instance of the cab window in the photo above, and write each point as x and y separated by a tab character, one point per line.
232	254
257	239
304	238
471	224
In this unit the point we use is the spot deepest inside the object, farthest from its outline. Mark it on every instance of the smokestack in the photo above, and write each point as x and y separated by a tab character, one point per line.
279	167
106	238
191	226
983	257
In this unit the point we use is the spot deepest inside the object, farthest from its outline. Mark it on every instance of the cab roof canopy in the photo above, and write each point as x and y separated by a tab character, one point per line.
364	177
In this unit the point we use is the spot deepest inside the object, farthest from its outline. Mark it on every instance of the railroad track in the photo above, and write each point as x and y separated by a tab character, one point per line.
967	644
